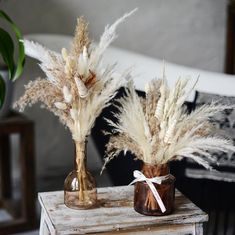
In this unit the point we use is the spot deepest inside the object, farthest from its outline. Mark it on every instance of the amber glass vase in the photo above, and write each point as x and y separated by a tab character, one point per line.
144	200
80	186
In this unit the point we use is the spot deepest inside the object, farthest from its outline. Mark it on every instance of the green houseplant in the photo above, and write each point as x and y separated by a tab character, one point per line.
12	61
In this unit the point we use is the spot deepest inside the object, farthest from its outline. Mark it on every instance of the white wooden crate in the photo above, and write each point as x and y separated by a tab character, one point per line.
115	215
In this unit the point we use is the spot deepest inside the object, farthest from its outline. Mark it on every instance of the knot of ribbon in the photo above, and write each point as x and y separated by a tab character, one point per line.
139	176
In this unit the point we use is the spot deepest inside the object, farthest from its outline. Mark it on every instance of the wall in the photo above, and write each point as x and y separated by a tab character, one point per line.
186	32
190	33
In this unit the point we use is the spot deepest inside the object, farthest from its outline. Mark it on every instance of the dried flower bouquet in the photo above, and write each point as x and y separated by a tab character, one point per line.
157	129
77	85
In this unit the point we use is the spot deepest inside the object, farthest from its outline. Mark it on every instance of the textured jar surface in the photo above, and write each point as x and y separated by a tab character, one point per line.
144	200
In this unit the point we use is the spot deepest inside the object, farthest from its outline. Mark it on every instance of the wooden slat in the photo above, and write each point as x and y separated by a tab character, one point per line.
114	213
26	219
159	230
5	167
198	229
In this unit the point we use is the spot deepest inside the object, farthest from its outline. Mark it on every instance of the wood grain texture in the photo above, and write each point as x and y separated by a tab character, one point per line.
116	213
198	229
5	167
159	230
25	219
43	226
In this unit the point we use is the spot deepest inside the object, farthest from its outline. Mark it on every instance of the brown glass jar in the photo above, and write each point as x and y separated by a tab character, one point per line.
80	187
144	200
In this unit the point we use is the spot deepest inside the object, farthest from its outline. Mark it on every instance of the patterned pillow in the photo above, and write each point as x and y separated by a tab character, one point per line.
225	123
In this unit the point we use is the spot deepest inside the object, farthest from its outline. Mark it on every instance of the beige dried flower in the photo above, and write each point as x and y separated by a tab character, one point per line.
77	87
159	130
81	38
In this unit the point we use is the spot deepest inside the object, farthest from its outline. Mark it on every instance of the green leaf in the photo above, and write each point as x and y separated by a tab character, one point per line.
7	51
2	91
21	53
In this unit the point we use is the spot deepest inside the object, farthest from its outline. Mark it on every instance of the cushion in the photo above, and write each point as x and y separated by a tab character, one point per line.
225	123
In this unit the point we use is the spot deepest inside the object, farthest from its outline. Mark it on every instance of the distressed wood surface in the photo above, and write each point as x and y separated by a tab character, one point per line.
175	229
198	229
116	213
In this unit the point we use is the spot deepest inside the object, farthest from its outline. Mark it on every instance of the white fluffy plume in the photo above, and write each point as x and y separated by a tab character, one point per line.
133	122
76	88
159	130
106	39
39	52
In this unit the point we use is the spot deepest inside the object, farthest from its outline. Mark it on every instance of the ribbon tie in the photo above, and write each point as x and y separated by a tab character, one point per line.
139	176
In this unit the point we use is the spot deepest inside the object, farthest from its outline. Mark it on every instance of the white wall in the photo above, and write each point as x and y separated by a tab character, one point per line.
189	32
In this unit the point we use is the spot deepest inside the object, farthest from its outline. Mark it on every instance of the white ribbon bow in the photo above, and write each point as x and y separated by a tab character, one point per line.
139	176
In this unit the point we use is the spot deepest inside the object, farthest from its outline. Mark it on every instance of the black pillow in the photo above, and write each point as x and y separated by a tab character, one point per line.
225	123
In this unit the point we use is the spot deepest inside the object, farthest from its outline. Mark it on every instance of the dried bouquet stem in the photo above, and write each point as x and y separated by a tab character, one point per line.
81	171
77	85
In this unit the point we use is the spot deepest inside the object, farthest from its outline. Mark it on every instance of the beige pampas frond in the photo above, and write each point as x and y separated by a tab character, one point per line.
133	122
119	143
81	38
39	52
106	39
158	129
33	94
77	87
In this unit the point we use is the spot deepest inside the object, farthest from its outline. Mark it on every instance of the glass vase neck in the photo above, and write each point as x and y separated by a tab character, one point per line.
80	153
151	171
80	186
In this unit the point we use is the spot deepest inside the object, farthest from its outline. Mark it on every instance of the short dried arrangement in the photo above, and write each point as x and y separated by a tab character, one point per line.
77	85
158	129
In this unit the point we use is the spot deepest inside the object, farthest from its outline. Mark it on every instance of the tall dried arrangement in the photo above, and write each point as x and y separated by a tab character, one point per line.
77	86
157	130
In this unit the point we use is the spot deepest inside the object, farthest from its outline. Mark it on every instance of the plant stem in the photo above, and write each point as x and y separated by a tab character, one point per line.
81	169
